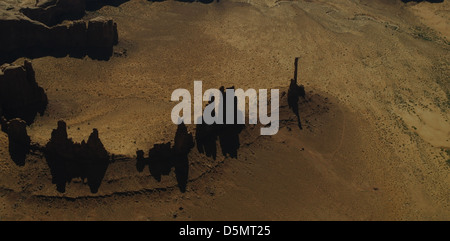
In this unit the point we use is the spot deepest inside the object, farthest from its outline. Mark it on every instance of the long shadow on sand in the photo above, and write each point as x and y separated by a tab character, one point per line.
52	13
68	160
93	5
163	157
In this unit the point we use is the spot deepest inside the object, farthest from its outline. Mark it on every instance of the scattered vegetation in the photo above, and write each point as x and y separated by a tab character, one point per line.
421	33
448	152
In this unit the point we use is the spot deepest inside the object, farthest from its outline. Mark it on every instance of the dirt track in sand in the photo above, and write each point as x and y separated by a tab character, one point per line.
377	152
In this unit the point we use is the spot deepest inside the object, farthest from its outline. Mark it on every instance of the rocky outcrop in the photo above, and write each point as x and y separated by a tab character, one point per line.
67	160
20	95
19	141
101	36
183	144
228	135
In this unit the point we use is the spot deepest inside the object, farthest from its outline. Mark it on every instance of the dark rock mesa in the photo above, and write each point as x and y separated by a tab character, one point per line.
20	95
29	31
52	12
67	160
228	135
163	157
418	1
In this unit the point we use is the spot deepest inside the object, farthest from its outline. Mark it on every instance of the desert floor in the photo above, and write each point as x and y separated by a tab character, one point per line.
376	142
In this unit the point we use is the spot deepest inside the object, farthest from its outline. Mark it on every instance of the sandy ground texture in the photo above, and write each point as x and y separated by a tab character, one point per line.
376	137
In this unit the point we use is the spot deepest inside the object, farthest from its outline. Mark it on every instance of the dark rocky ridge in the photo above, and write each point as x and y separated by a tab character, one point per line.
294	93
89	160
29	38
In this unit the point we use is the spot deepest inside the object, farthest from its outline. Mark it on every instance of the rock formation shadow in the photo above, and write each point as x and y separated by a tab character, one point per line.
162	158
67	160
19	141
229	134
37	30
159	162
97	159
93	5
294	93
